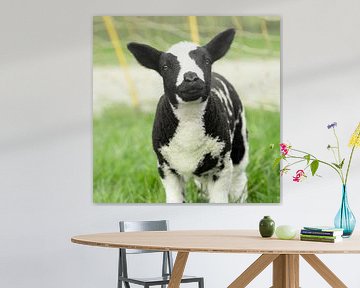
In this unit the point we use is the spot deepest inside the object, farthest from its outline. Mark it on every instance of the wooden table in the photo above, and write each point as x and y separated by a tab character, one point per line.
284	254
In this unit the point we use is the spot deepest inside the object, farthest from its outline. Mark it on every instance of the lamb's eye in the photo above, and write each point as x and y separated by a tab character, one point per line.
165	67
207	61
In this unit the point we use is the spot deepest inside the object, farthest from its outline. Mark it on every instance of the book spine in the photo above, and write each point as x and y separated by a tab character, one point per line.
317	239
320	233
319	236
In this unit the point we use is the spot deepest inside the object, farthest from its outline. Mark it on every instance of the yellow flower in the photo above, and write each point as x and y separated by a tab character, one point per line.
355	138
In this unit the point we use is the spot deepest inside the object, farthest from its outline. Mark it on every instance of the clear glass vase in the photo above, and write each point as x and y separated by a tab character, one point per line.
345	219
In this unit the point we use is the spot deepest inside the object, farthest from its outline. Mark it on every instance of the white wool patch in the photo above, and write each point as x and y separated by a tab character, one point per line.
243	133
174	187
219	190
190	143
187	64
227	94
222	96
225	97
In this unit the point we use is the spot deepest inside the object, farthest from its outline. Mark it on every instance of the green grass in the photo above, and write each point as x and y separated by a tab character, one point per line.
162	32
125	167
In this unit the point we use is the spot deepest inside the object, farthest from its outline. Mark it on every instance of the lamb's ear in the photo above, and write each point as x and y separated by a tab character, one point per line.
145	55
220	44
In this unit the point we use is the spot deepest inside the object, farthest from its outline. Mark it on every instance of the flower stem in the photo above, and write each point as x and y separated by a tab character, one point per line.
333	152
348	168
339	155
350	159
323	162
337	144
296	162
300	151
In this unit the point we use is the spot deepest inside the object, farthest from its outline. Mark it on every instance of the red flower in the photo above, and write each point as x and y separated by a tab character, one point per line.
300	174
284	148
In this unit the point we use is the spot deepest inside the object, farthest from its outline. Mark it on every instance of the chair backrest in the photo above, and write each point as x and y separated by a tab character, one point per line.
135	226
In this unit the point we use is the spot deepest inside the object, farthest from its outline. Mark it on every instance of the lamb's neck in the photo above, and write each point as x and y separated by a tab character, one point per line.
190	111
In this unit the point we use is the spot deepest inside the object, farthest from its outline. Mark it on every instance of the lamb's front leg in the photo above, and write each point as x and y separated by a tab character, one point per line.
173	185
238	190
220	183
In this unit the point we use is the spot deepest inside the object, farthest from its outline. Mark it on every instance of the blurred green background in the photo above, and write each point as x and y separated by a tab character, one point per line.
125	166
256	36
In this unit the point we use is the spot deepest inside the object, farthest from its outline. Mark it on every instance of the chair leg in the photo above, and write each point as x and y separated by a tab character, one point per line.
201	283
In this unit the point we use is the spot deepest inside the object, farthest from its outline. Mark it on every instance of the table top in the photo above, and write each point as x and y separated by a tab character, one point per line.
216	241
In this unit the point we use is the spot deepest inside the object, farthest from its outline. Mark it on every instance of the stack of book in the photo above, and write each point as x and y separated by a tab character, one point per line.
321	234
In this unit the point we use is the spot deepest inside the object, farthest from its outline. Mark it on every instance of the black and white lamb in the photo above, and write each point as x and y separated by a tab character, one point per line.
199	129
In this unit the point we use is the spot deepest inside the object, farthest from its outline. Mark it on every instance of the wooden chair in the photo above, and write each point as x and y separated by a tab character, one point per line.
167	262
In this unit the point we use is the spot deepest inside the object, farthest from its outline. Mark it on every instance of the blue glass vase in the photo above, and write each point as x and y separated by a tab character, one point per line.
345	219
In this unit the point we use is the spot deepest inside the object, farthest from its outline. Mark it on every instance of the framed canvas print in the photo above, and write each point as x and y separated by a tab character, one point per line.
185	109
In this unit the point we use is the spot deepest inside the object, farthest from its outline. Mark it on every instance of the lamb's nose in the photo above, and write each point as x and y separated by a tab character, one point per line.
190	77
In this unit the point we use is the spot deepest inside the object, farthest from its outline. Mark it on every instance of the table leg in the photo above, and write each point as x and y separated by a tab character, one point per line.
286	271
253	270
324	271
178	269
293	262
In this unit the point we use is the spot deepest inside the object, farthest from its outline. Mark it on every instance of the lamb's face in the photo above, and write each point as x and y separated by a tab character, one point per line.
186	72
185	67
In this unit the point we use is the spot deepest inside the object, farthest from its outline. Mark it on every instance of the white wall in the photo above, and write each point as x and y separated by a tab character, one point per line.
45	140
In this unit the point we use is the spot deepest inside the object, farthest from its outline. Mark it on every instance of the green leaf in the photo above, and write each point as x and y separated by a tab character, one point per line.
335	164
277	161
314	166
339	166
342	163
307	157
